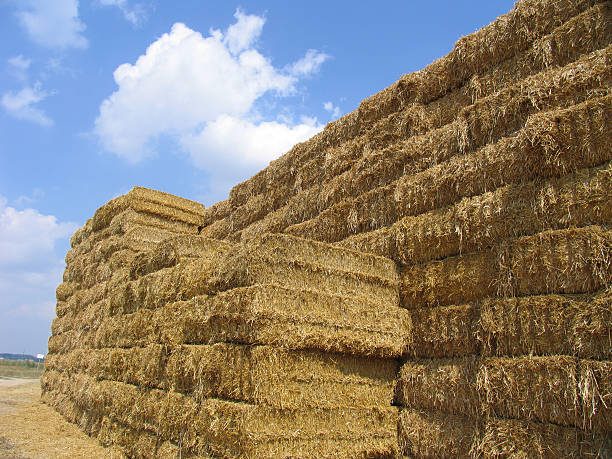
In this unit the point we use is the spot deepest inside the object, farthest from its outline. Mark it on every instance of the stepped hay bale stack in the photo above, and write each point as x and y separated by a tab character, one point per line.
427	277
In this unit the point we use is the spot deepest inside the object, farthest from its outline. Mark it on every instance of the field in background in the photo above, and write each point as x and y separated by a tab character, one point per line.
20	369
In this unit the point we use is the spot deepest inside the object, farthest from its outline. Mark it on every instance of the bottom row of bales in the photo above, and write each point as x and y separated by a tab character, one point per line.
279	348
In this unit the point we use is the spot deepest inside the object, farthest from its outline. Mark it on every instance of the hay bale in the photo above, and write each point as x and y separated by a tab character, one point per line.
446	385
145	367
172	251
595	387
578	325
261	314
300	264
262	375
65	290
431	434
571	261
445	331
542	389
152	202
524	439
135	443
266	375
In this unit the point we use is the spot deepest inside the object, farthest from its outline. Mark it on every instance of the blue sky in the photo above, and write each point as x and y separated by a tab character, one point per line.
189	97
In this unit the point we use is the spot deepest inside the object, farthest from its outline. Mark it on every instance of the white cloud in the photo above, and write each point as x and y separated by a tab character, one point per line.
52	23
202	92
309	64
21	105
18	66
244	32
231	140
29	268
135	14
334	110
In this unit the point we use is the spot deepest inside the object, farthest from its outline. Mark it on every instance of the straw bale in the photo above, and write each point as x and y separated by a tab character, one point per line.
446	385
575	260
137	238
522	157
595	388
216	212
172	251
445	331
454	280
542	389
81	299
266	375
300	264
135	443
191	278
262	375
578	325
62	308
298	250
526	439
139	366
125	231
588	31
503	38
87	273
255	208
89	317
151	202
65	290
431	434
260	314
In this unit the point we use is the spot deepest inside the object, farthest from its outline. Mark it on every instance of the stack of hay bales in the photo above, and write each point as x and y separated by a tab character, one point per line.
485	177
99	262
279	347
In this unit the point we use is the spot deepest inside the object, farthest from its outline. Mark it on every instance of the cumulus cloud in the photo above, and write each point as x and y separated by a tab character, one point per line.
202	91
135	14
21	105
332	109
29	268
53	24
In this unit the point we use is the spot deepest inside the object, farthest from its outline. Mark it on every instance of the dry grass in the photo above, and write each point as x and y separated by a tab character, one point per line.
29	429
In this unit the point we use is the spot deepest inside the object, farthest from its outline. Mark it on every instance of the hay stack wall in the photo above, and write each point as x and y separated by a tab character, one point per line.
195	347
446	246
487	178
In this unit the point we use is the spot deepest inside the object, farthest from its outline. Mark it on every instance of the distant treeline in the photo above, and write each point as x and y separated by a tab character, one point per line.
20	357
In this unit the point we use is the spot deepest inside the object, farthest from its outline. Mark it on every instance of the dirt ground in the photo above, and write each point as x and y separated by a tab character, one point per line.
30	429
